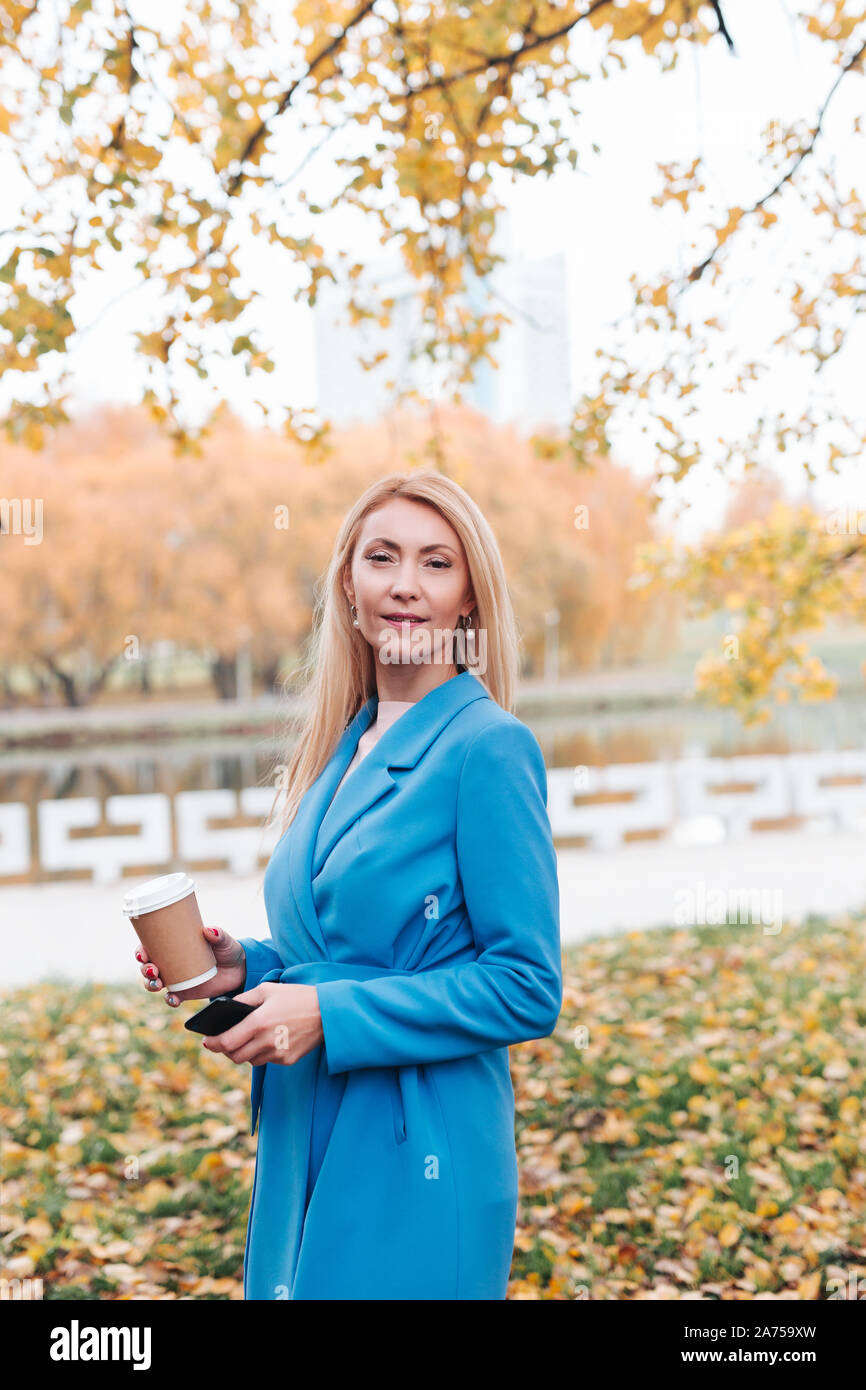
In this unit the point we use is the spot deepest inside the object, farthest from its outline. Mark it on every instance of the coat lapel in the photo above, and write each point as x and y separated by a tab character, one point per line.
313	805
324	818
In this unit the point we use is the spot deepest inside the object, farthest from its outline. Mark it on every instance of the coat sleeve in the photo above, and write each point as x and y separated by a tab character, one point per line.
261	956
512	991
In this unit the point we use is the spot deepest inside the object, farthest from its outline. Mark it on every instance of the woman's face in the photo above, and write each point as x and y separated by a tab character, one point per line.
408	560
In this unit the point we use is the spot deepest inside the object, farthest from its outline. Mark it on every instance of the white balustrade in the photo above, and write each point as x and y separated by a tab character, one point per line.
765	793
105	855
14	839
239	846
811	797
650	806
694	795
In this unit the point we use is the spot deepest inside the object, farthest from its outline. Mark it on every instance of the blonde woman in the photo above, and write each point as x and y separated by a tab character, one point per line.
413	904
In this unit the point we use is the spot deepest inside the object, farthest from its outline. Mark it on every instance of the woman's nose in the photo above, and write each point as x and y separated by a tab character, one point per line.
402	589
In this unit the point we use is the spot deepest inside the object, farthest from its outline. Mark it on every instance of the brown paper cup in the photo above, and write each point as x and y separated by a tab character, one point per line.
165	916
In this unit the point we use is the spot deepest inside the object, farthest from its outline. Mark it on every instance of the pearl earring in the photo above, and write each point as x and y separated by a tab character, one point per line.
355	622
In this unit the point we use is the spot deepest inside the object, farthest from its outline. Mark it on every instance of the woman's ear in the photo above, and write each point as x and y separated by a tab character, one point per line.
347	586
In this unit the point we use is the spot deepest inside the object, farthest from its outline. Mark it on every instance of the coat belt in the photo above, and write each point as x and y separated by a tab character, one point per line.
313	972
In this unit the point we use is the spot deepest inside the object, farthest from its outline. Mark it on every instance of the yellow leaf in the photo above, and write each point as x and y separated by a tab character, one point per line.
701	1071
810	1287
619	1075
618	1216
828	1198
648	1087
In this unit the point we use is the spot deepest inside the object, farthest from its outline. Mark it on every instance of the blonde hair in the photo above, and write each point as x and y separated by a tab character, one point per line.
338	674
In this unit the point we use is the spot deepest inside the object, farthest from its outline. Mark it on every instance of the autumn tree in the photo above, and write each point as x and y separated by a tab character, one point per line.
73	586
170	146
224	554
134	551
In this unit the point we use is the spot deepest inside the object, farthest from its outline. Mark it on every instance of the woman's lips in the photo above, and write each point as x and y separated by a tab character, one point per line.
400	622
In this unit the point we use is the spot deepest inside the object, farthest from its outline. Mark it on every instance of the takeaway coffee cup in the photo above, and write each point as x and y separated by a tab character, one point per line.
164	913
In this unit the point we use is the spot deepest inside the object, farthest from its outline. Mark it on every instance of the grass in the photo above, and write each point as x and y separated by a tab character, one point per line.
694	1127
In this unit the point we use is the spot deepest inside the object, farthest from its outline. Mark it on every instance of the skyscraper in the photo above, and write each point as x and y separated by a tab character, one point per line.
530	387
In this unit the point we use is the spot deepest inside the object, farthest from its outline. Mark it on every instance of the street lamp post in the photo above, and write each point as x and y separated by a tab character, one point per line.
551	646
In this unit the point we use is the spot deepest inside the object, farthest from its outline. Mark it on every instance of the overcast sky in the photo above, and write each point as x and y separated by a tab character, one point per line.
602	216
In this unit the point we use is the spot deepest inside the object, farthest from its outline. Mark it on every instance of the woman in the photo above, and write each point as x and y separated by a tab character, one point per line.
414	909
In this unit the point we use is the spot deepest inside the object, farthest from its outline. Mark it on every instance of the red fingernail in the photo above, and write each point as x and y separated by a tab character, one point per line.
138	955
214	930
151	972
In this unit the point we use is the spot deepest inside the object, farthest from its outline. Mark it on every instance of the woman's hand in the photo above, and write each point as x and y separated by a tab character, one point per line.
231	970
286	1026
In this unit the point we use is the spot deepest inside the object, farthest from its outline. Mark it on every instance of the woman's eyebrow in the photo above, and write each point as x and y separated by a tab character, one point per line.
382	540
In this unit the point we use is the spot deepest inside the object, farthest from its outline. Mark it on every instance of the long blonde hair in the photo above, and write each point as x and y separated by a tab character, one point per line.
338	674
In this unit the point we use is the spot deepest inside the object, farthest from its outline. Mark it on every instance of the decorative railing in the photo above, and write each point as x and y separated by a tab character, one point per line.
691	800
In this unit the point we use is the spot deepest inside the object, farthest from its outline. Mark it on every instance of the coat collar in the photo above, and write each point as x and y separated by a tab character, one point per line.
323	818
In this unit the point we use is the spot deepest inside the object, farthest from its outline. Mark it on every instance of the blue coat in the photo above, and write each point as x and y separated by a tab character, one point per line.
423	903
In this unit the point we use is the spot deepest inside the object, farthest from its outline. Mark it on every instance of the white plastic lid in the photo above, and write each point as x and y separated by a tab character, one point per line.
156	893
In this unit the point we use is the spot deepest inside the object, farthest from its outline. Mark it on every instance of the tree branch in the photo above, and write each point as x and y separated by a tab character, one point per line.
285	101
698	270
506	59
723	28
311	153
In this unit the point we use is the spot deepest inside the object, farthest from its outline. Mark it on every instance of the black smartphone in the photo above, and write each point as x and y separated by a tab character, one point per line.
221	1013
